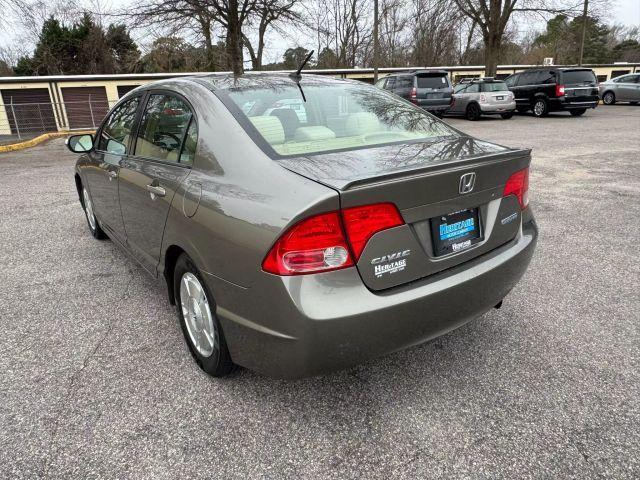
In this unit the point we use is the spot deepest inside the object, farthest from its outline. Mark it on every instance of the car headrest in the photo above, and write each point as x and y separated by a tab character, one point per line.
307	134
361	123
270	128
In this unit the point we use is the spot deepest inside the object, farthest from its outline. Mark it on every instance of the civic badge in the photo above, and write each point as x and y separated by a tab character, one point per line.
467	182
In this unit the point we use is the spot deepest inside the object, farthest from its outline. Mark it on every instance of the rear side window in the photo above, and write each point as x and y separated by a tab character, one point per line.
578	76
405	82
512	80
163	128
116	133
494	87
473	88
391	83
527	78
431	81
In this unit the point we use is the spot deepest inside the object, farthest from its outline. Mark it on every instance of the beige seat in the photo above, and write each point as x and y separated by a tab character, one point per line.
308	134
361	123
270	128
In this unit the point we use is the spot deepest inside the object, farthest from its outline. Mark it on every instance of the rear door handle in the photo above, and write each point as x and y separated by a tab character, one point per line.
156	191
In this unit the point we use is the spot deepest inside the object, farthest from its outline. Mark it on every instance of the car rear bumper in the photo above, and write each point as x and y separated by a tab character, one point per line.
332	321
500	108
565	103
437	104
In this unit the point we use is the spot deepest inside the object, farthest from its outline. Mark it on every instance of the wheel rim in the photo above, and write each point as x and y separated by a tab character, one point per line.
473	112
88	209
538	108
608	98
197	315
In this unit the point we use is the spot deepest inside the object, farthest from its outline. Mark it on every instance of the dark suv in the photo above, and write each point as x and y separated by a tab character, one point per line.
545	90
429	89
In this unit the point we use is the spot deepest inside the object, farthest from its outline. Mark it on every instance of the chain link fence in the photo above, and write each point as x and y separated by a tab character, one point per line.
25	120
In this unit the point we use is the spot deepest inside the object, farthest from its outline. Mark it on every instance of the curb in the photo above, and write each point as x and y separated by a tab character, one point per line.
40	139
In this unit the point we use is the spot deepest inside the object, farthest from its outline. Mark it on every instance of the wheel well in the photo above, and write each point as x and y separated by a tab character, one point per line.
170	259
609	91
79	188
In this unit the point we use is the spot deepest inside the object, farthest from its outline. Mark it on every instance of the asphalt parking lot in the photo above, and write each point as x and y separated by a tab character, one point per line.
97	381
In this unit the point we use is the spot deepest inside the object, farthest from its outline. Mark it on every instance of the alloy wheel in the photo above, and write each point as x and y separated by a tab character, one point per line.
608	98
539	108
197	315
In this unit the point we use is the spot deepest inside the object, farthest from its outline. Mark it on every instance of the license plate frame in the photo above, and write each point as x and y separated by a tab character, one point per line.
456	232
500	97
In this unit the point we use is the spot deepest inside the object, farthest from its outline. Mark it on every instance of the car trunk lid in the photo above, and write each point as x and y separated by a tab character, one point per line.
432	86
424	180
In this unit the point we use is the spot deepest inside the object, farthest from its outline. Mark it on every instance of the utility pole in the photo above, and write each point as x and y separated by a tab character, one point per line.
584	30
376	43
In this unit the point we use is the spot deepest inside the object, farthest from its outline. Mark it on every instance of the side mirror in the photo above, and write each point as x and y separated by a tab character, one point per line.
80	143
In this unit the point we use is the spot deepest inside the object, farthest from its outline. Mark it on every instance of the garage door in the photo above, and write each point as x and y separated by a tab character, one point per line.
124	89
85	106
29	111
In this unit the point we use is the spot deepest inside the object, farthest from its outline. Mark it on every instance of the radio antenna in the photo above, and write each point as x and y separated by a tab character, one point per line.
298	73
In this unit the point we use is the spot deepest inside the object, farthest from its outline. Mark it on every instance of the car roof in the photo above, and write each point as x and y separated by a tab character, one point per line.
418	72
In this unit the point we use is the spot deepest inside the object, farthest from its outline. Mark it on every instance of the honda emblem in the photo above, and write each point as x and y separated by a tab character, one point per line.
467	182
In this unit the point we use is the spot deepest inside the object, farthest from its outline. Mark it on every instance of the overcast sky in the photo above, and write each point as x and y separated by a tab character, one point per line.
626	12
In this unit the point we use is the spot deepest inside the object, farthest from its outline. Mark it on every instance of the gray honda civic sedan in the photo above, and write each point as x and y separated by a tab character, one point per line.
304	224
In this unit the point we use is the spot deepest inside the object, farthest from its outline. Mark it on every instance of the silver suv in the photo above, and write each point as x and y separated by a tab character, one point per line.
475	97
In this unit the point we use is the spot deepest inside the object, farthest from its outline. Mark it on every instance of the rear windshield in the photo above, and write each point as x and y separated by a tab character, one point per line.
578	76
431	81
333	117
495	87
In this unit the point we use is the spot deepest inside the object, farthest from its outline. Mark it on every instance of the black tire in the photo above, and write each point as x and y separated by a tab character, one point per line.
522	109
578	112
609	98
507	115
92	222
633	103
540	108
218	363
439	113
473	112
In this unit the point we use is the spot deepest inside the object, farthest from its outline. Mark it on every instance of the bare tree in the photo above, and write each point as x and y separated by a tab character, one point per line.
202	16
493	16
267	14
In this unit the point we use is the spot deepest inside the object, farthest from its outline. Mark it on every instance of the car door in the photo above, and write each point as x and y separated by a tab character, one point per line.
634	94
111	146
459	98
162	156
626	88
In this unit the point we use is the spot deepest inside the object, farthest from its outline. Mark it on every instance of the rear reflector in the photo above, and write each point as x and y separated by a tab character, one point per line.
319	243
518	185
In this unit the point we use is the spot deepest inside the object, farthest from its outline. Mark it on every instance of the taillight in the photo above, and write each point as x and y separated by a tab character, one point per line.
414	94
316	244
319	243
559	90
363	222
518	185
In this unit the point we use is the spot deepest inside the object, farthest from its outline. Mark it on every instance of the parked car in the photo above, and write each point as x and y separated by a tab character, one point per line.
625	88
482	96
428	89
370	228
544	90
